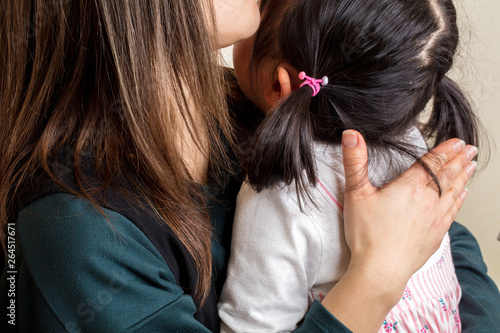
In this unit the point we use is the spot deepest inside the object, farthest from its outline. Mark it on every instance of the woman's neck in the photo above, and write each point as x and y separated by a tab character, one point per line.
193	145
196	159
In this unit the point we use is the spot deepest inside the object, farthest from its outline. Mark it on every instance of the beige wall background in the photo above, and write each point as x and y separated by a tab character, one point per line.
478	71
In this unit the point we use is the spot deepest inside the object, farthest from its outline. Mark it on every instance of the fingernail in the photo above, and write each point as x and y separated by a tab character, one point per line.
471	167
459	146
464	193
349	139
471	151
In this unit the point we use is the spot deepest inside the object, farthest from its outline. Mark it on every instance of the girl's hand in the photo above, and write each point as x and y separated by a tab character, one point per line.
393	230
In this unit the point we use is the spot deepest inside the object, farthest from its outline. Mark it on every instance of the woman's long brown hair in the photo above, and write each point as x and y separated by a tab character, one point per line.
128	81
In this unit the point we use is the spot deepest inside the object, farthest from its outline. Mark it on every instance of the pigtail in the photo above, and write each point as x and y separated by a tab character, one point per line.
282	148
452	116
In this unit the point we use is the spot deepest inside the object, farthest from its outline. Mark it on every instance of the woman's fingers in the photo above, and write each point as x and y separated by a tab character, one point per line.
436	159
444	152
454	193
447	174
456	177
355	157
457	205
447	161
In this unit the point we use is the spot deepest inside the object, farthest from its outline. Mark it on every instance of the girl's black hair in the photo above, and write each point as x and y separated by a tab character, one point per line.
385	60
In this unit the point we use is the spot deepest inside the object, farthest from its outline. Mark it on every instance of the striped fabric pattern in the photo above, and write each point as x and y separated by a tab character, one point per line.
430	301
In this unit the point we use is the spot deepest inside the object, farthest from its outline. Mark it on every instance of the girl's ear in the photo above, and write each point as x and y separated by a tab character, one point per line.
281	87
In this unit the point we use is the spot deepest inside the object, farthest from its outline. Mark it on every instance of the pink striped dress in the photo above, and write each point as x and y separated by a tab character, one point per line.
430	301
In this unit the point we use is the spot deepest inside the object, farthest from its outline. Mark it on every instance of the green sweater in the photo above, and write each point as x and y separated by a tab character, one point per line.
77	272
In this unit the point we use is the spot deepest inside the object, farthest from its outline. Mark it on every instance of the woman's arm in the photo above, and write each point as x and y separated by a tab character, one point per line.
480	304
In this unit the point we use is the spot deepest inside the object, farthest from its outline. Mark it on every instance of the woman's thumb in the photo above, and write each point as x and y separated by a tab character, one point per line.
355	158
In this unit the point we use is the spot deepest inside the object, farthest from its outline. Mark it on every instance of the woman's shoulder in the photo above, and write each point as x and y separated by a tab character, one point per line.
94	267
98	212
68	222
73	229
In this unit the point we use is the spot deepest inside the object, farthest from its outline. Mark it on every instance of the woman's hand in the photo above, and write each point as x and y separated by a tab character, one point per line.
393	230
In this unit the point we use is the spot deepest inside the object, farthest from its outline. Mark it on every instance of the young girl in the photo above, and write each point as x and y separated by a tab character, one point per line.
318	68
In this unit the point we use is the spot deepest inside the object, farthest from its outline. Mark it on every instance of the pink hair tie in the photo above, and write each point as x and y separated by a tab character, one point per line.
313	83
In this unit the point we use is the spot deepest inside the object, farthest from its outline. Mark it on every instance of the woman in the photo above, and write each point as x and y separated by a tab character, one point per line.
111	119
